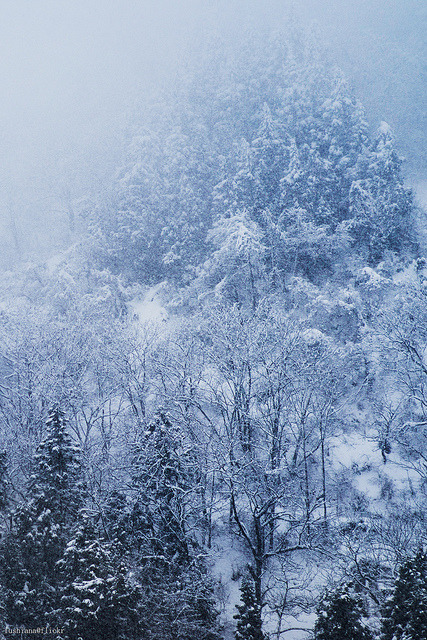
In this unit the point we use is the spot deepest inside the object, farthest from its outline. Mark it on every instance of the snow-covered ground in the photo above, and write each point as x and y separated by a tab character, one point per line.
149	308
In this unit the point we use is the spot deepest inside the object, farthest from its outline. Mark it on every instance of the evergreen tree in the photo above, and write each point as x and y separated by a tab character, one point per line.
4	484
118	523
41	528
56	483
178	596
405	614
97	599
162	477
339	617
157	223
238	260
249	623
380	204
178	604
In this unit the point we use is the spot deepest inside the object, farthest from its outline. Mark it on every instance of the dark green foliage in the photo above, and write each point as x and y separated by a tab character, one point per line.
249	623
162	476
152	530
56	483
179	594
178	604
41	528
117	521
4	486
405	614
339	617
96	598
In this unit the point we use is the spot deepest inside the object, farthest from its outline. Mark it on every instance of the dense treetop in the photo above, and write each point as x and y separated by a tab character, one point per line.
266	156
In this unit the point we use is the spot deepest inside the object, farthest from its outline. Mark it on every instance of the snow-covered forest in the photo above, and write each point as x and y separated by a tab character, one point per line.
213	376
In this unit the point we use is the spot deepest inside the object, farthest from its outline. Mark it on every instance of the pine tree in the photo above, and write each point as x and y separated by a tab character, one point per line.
249	623
56	483
4	485
41	528
178	600
178	604
238	259
339	617
162	479
97	599
380	205
405	614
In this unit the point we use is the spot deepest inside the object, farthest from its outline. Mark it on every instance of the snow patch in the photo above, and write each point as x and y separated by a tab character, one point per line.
150	309
370	278
355	449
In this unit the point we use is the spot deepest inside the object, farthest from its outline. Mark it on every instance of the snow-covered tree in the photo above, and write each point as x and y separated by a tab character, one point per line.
4	483
162	476
156	222
96	597
278	131
340	617
249	622
405	613
159	535
179	605
56	484
381	206
237	264
401	333
42	527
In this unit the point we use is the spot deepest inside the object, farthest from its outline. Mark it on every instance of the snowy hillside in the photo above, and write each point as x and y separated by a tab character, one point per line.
213	403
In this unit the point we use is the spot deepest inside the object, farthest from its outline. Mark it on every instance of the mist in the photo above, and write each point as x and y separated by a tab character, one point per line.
73	75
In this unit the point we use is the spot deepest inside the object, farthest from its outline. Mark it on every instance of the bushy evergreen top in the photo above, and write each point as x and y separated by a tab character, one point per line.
56	482
249	623
405	614
339	617
97	597
162	476
41	528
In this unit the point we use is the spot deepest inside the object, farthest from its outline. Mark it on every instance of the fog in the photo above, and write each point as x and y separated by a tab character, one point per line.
73	73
